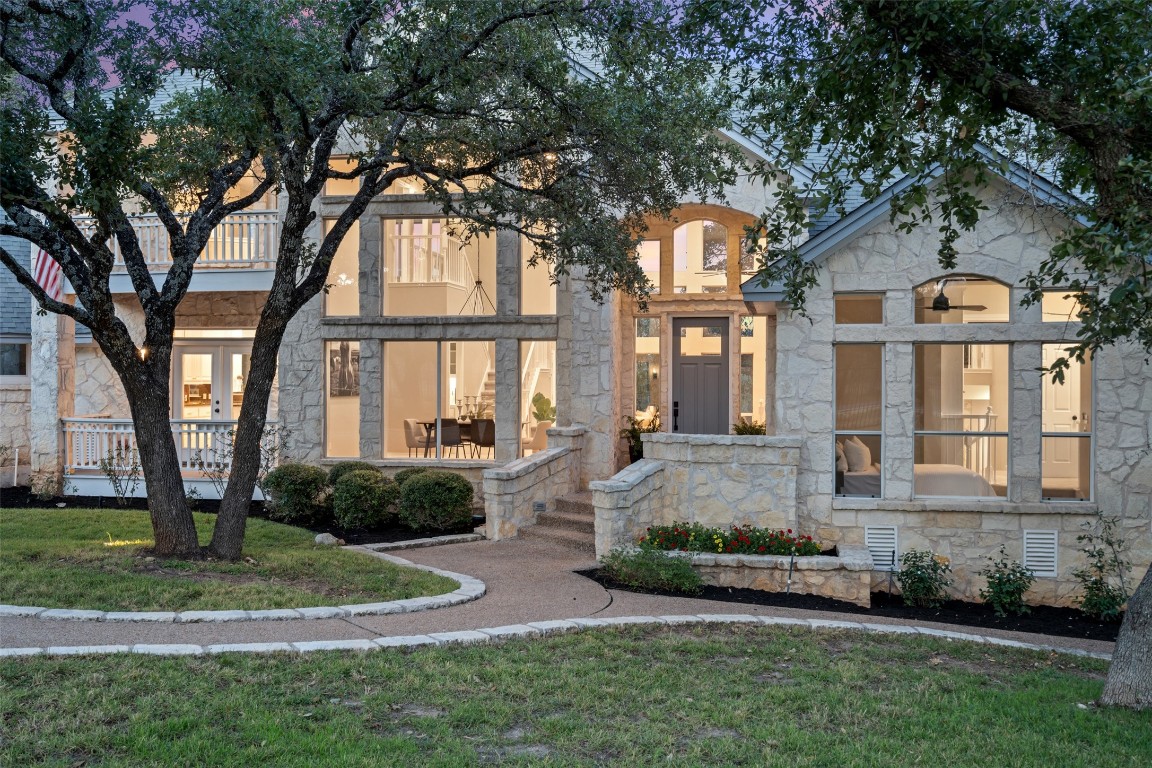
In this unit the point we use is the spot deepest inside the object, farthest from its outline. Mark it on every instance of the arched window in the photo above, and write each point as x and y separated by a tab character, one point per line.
962	299
700	257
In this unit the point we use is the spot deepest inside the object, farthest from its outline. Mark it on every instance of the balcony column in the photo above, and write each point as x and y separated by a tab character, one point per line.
507	400
53	395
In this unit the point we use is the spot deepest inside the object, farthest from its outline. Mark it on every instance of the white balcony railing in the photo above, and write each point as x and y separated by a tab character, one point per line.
91	443
246	239
435	258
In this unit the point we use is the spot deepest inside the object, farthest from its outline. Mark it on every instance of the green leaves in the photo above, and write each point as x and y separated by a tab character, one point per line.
876	91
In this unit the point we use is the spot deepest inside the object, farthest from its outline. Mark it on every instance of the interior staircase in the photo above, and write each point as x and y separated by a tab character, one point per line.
571	525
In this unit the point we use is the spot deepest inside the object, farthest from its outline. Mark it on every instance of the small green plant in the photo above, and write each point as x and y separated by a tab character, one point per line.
345	467
737	540
44	485
651	569
923	578
296	493
1104	579
405	475
193	497
743	427
542	408
1008	580
121	466
436	501
632	433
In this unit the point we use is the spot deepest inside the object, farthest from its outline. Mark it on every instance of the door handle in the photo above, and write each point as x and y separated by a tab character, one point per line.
675	415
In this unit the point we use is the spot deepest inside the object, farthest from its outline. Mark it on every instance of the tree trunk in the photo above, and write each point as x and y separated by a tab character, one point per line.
172	523
228	535
1129	681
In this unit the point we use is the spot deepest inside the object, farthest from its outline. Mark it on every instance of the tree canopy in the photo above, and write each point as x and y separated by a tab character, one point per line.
943	92
567	121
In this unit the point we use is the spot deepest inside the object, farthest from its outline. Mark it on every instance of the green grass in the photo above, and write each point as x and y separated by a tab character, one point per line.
692	696
60	558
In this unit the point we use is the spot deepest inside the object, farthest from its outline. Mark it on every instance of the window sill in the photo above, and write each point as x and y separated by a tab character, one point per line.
968	505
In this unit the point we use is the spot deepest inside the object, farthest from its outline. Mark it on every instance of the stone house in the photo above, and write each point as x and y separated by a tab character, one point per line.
906	412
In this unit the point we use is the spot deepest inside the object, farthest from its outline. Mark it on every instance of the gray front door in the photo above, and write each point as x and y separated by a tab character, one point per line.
700	375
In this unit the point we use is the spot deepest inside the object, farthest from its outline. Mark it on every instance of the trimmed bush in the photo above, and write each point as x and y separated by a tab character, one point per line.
345	467
364	498
651	569
1008	580
296	494
404	475
435	501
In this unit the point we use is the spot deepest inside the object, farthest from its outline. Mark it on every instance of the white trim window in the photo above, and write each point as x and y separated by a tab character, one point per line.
15	360
1067	430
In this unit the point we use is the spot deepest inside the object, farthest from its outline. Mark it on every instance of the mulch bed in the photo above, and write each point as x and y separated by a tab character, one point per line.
1042	619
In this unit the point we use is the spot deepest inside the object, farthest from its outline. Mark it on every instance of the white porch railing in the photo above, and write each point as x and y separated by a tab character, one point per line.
434	258
245	239
88	442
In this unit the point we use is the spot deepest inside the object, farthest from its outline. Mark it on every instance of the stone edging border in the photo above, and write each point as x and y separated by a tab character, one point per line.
531	629
470	589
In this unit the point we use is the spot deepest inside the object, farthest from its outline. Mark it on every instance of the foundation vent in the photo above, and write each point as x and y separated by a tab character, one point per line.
539	507
881	542
1040	552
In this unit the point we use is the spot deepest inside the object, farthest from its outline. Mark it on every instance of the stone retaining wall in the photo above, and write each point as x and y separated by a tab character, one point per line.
627	504
511	491
714	480
847	577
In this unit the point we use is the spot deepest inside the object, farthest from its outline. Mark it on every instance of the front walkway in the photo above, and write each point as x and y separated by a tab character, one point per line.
527	580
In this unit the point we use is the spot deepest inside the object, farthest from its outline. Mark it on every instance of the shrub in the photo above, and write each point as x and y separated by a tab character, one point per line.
923	578
296	494
345	467
1105	589
743	427
435	501
1008	580
364	498
651	569
738	540
404	475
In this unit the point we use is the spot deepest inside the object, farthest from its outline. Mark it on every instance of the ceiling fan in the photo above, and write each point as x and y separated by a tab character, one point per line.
940	302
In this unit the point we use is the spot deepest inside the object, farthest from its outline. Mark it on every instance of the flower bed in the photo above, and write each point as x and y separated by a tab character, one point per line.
738	540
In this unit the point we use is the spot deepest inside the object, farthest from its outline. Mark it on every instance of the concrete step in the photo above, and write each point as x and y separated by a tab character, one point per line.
582	542
572	521
576	503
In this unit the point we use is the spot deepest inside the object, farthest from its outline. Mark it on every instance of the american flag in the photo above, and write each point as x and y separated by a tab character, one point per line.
48	275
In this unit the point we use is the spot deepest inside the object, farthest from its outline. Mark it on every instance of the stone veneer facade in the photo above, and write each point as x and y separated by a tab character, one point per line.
1005	245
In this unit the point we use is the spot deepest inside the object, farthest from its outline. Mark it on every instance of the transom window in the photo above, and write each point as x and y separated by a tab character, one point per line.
962	299
700	256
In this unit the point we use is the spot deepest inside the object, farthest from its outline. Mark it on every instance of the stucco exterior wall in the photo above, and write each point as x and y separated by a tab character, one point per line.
1007	243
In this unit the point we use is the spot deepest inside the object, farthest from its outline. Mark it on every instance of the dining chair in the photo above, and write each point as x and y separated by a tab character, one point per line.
483	436
413	436
450	436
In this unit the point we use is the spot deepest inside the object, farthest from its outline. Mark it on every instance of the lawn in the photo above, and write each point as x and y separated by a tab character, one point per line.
96	559
683	696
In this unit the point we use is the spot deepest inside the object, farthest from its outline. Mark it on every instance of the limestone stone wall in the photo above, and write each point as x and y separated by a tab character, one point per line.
847	576
15	429
511	491
1009	241
722	480
627	504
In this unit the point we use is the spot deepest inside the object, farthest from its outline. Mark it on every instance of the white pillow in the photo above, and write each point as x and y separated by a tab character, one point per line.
841	460
858	455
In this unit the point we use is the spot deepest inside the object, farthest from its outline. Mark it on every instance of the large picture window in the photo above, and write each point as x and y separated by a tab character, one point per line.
439	399
342	398
859	419
431	267
961	430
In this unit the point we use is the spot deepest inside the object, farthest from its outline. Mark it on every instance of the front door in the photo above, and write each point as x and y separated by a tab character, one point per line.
700	401
208	381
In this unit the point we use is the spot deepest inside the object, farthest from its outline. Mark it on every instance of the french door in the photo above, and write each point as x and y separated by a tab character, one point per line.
208	381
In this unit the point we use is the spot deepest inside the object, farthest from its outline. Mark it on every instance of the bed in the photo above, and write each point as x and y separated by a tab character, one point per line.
931	480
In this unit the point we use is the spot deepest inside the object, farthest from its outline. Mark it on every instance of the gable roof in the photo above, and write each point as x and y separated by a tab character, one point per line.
855	221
